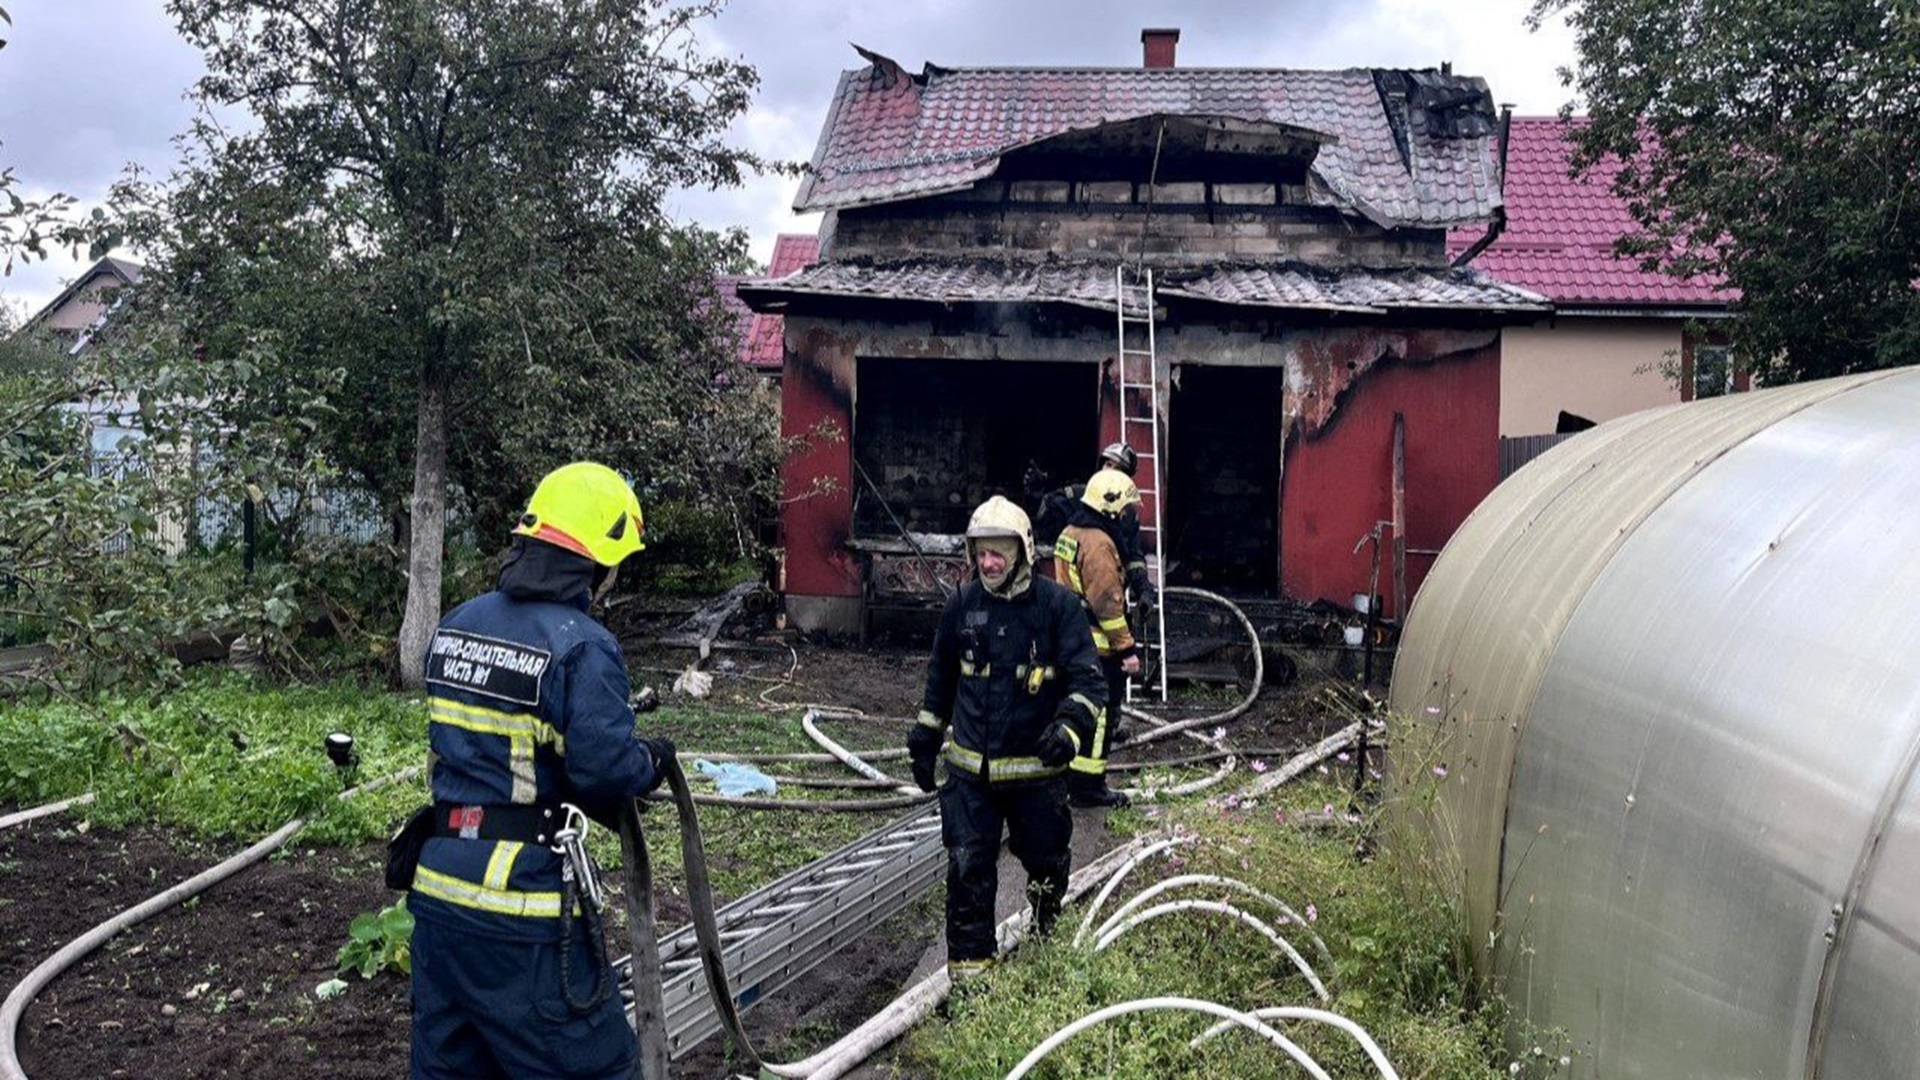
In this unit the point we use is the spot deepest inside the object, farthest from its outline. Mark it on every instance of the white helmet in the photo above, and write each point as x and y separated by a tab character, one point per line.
1000	517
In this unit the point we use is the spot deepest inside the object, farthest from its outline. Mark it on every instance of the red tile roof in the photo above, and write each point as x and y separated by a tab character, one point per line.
761	346
1560	232
893	136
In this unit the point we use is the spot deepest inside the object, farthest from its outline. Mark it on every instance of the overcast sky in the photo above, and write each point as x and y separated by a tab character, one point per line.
87	86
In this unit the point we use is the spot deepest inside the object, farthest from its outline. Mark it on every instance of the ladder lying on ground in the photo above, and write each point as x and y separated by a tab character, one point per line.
1140	393
779	932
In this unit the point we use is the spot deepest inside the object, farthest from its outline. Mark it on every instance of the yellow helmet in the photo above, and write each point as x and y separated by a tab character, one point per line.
1111	492
588	509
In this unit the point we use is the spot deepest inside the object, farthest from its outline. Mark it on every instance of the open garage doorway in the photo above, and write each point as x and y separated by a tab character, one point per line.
1223	483
940	436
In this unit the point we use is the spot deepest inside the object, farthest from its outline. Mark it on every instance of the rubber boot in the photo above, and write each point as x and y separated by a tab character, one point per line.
1096	795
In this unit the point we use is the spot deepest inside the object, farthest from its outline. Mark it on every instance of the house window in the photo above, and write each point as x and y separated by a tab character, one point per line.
1712	371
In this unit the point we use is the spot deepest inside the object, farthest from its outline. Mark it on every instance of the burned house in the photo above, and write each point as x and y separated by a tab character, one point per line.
961	329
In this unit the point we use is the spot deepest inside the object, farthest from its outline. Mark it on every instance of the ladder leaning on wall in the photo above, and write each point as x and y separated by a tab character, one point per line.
1140	410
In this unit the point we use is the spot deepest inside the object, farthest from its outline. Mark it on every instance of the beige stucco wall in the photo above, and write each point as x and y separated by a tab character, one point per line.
1599	368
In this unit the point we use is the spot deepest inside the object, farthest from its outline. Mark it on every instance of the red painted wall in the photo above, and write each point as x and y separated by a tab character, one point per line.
815	386
1339	481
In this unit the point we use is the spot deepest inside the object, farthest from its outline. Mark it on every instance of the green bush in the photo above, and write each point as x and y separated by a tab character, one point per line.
691	551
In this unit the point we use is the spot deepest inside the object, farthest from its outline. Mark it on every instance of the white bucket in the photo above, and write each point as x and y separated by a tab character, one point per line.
1355	634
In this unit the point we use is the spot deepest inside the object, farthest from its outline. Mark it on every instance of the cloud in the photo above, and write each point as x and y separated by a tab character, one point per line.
68	126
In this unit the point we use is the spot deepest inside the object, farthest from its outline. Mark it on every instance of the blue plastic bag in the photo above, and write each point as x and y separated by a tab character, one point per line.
736	778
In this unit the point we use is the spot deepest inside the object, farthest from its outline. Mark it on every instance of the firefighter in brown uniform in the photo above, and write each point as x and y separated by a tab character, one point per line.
1013	690
1087	560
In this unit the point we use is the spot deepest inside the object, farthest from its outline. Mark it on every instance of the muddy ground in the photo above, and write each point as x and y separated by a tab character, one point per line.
224	986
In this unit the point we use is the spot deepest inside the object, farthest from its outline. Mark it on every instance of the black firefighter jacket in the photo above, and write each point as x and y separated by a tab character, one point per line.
1002	670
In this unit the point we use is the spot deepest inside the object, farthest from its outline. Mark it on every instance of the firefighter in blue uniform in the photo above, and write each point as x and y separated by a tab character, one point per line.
1013	691
529	727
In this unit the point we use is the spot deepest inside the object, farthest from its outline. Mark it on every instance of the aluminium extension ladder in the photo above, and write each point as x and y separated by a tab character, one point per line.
779	932
1141	389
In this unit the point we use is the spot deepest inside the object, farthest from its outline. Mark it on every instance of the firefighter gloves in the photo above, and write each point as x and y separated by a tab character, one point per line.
1058	746
662	750
923	746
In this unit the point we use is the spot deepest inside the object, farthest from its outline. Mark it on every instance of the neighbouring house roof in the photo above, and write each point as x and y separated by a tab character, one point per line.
1293	287
761	345
1403	148
1561	231
107	273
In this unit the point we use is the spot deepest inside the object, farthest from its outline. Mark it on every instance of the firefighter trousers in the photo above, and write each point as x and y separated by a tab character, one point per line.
1089	772
1039	832
490	1009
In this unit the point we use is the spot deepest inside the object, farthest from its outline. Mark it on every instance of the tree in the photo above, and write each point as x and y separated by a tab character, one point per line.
1774	146
459	207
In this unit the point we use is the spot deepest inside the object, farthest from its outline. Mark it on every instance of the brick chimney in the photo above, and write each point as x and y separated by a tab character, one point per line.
1158	46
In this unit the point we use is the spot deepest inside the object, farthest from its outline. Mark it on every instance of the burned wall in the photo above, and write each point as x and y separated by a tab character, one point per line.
1186	224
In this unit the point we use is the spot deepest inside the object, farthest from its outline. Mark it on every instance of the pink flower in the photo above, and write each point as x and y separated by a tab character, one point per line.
1440	771
1259	766
1313	913
1327	810
1343	757
1280	816
1233	801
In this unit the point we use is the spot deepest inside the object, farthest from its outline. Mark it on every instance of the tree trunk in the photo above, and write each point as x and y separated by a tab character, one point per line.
426	545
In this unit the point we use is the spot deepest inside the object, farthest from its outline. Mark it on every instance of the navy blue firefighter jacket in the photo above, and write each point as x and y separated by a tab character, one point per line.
528	705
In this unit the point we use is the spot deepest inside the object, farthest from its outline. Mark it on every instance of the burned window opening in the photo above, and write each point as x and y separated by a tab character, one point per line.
940	436
1223	505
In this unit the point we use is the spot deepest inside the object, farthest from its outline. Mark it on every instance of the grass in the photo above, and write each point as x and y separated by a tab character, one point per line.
1398	969
229	757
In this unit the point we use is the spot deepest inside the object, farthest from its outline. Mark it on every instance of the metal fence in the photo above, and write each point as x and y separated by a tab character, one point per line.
1517	451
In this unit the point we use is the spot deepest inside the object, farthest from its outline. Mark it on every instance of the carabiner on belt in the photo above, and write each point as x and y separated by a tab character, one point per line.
570	843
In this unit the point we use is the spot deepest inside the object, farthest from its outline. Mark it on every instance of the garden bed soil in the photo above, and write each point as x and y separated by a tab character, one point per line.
224	986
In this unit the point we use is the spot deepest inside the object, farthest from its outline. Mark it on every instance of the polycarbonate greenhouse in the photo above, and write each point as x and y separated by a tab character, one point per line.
1671	671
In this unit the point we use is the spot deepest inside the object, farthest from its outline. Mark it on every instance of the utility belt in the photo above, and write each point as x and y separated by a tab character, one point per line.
499	821
559	827
998	770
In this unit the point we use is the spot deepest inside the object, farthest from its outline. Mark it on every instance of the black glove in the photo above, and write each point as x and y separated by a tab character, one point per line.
1144	594
663	752
1057	747
923	746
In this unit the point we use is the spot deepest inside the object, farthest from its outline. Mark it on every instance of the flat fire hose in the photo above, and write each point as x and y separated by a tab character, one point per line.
649	1012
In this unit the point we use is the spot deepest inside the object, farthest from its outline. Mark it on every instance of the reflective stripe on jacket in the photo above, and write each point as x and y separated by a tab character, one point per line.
527	704
1089	563
1001	671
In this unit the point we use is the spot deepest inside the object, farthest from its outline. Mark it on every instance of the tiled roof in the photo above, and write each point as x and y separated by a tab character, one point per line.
1295	288
761	346
1560	232
890	136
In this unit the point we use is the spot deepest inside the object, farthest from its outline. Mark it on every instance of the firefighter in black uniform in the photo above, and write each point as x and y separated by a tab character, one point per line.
1016	684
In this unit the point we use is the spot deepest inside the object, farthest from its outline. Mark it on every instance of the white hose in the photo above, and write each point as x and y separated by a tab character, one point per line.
21	817
1120	874
1231	1016
915	1004
1148	792
16	1004
846	756
1146	896
1301	1012
1215	907
1253	692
